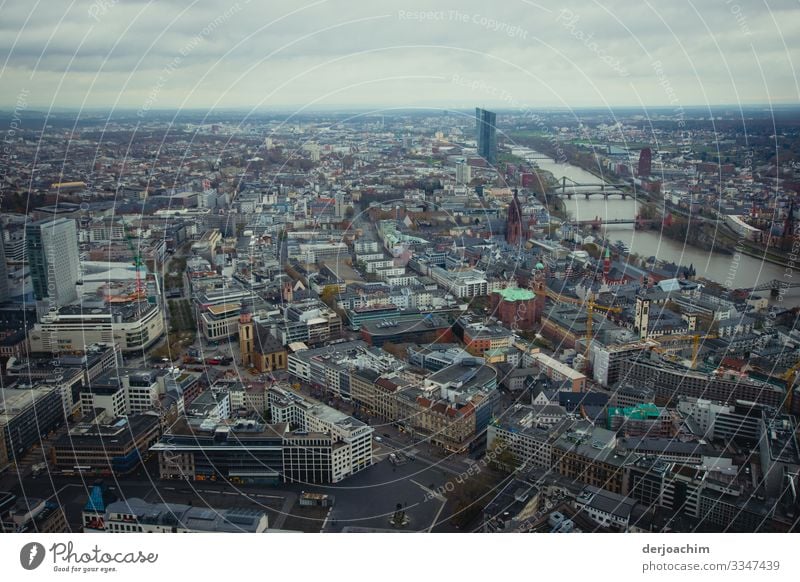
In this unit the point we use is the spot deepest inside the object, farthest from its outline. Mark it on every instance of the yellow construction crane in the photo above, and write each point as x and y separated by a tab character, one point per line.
789	378
695	339
590	308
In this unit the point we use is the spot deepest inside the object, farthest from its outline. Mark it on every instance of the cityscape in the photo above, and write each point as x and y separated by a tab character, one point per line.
471	317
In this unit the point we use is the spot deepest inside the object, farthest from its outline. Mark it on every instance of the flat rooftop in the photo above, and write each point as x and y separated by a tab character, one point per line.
390	326
13	401
224	308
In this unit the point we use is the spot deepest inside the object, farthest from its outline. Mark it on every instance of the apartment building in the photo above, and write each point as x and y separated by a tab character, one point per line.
559	371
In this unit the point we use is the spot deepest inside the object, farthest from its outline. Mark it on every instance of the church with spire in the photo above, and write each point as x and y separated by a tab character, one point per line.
516	230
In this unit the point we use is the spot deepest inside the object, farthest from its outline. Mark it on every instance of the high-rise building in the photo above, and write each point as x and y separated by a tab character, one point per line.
463	173
645	162
52	256
3	271
486	134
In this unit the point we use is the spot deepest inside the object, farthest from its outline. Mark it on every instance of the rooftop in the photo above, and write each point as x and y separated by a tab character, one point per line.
604	501
13	402
188	517
516	294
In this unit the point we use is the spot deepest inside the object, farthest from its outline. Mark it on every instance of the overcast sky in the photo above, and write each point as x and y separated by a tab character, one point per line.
295	54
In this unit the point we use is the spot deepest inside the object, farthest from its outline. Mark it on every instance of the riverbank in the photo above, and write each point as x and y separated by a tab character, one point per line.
705	238
788	265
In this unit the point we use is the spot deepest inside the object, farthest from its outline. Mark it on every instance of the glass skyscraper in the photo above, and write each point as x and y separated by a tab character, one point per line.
3	270
52	255
486	134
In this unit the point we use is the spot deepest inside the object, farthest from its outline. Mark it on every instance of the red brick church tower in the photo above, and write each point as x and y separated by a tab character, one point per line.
515	233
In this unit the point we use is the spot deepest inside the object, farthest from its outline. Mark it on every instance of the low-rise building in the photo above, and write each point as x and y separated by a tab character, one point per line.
306	442
589	455
521	433
608	510
481	338
330	366
420	328
640	420
135	515
117	446
559	371
671	382
352	439
26	416
132	326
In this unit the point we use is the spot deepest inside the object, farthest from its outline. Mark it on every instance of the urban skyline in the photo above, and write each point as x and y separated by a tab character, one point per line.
545	285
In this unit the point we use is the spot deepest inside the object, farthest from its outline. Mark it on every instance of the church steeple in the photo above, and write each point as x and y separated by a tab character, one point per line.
514	231
246	339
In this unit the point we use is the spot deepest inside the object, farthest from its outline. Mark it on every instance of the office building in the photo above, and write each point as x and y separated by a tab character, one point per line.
131	326
486	134
120	392
26	416
420	328
521	432
4	291
463	173
588	455
640	420
645	162
351	446
52	256
671	381
307	442
608	510
330	366
105	448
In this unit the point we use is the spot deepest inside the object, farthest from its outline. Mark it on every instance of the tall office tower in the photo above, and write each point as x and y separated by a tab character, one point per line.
463	173
645	162
486	134
52	256
4	294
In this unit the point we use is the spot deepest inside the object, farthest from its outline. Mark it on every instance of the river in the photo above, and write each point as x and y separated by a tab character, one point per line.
737	271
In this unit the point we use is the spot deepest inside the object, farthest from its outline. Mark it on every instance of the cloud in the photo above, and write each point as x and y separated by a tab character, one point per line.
342	52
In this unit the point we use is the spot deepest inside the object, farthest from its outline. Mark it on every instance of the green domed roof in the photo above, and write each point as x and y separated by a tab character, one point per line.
539	266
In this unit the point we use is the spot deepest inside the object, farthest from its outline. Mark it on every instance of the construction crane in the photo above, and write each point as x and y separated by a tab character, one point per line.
591	306
137	264
789	377
694	338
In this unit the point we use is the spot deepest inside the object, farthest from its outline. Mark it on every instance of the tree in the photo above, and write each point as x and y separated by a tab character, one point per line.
398	351
328	295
